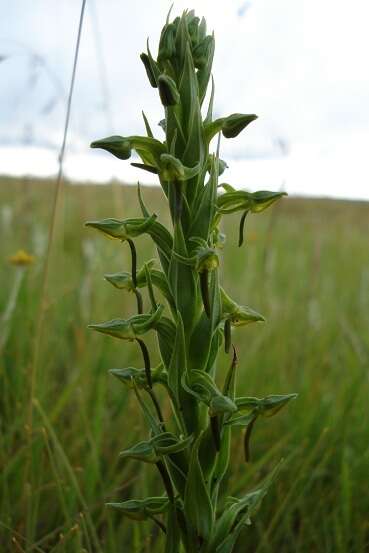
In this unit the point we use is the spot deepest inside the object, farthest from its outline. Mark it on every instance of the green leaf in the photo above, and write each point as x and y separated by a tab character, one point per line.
192	122
149	168
213	352
200	343
178	365
183	281
197	505
222	462
159	280
164	242
181	39
149	417
208	454
166	331
206	48
209	114
215	301
237	513
173	535
147	125
144	210
204	206
185	406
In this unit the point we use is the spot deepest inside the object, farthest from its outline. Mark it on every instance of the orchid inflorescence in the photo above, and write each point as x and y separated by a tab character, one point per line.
191	448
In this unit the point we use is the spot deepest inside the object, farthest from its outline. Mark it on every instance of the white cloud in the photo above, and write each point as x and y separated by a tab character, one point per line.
300	65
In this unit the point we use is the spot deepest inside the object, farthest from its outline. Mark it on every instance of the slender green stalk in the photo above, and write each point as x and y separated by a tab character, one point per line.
192	448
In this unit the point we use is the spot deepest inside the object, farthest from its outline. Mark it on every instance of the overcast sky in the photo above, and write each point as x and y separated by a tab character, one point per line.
301	65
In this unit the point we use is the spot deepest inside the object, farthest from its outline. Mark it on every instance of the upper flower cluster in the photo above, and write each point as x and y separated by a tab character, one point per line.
183	41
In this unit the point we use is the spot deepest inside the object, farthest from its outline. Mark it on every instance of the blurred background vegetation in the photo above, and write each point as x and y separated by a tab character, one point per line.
305	266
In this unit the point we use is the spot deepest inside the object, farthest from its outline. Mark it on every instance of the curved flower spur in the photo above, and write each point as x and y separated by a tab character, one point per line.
191	449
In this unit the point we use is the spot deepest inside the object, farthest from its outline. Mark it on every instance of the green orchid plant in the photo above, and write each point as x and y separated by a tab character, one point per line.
194	317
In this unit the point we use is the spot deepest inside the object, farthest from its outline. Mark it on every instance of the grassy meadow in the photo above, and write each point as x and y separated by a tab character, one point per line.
64	419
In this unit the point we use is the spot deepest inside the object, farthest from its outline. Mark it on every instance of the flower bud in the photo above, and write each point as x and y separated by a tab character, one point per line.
220	405
171	168
149	70
143	451
118	328
130	329
193	30
142	509
244	315
119	146
123	229
122	281
167	47
222	165
219	238
207	260
130	376
202	52
235	123
168	91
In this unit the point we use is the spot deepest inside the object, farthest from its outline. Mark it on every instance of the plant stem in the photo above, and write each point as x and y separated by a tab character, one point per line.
157	406
160	524
214	421
166	480
139	301
146	358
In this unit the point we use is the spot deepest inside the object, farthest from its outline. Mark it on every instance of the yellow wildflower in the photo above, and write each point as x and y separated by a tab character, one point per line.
21	258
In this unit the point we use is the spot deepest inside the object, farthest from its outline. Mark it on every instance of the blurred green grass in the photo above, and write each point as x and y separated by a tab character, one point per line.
305	266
